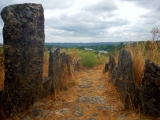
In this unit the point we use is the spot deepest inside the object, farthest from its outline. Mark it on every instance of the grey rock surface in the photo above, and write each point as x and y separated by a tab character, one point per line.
125	78
149	90
78	112
92	99
23	34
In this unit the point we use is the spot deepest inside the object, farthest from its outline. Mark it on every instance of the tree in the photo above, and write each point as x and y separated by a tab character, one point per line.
155	33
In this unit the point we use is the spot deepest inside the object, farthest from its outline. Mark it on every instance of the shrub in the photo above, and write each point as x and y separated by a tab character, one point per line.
90	59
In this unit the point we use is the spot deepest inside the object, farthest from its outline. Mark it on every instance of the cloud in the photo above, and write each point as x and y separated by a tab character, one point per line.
52	4
102	6
84	24
95	20
148	20
150	4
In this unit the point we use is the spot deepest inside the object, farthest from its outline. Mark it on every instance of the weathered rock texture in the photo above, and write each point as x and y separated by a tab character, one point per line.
54	71
112	68
60	69
147	95
47	82
106	68
150	89
114	74
23	34
77	65
125	78
111	63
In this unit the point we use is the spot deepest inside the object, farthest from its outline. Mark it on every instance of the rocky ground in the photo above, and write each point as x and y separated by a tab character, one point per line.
92	97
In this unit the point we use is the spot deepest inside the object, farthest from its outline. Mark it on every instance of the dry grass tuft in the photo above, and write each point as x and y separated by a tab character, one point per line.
137	53
120	113
45	63
67	78
1	78
73	54
141	51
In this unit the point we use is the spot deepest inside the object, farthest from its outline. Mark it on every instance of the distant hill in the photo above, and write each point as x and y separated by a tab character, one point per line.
83	44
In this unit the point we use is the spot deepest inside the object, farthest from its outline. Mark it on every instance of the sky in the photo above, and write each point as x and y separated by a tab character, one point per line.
95	20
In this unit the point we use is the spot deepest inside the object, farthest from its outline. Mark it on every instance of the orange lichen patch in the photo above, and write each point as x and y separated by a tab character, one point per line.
1	68
45	64
1	78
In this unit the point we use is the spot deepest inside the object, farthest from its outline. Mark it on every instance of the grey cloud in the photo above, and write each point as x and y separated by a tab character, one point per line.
85	24
147	4
51	4
55	4
92	21
102	6
152	17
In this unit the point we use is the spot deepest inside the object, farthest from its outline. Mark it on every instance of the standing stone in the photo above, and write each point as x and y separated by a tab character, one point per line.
106	68
112	69
114	74
125	78
111	63
69	65
54	68
77	64
47	82
150	89
23	35
64	72
63	62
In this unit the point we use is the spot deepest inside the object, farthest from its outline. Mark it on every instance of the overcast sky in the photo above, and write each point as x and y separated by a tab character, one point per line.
96	20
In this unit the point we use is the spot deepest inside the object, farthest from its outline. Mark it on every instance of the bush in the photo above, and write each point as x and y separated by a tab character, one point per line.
89	59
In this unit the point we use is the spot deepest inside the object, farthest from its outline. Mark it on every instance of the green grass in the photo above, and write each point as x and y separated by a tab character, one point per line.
89	59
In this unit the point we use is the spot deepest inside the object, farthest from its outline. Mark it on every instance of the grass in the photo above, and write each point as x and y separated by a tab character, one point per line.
89	59
67	99
45	63
141	51
67	75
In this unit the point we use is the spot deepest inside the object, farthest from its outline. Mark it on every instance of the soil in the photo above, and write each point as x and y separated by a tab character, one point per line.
92	97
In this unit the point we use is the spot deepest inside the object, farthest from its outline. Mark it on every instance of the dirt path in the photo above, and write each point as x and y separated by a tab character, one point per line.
93	97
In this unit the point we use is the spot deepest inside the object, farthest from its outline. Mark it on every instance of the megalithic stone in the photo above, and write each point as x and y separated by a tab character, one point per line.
125	79
54	68
23	35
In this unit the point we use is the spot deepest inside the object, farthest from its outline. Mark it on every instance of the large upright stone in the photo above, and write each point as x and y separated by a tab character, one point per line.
125	78
23	35
111	63
54	68
150	89
112	69
69	65
64	71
